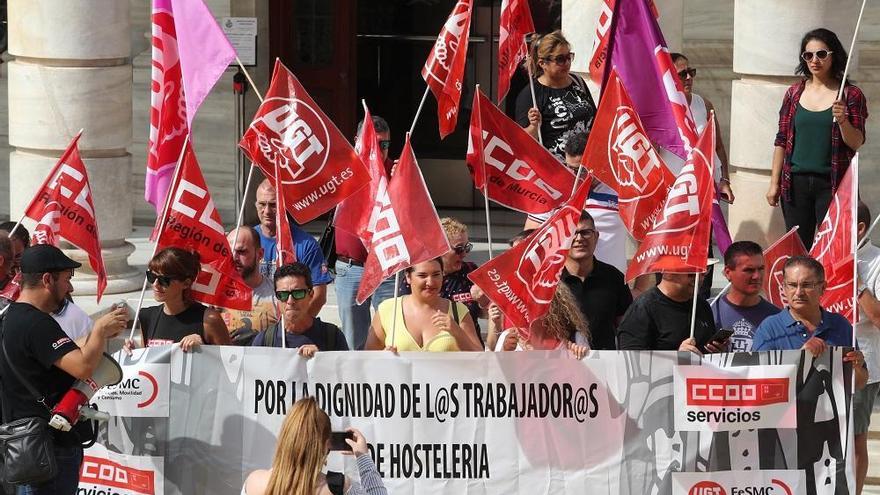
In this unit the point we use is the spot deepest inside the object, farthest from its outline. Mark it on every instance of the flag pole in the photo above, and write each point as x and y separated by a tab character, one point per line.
694	305
419	110
394	312
247	184
248	76
486	195
137	312
854	242
852	46
532	89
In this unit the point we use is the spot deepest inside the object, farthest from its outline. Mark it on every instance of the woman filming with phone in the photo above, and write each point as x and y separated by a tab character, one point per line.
301	452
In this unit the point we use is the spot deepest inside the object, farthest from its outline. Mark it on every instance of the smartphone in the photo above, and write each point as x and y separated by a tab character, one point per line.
337	440
721	335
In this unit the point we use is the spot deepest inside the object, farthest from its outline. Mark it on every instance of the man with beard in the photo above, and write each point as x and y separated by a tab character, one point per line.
37	350
599	288
246	255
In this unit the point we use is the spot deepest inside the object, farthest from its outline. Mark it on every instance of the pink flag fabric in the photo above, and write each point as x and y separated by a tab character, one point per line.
204	51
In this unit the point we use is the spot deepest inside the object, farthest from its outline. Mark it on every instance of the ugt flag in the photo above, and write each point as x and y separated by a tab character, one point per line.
63	207
521	173
522	280
193	223
514	25
775	257
444	70
317	165
404	225
620	154
678	242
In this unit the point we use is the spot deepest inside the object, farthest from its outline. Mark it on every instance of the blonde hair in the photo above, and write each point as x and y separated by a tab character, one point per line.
453	226
301	450
542	47
565	316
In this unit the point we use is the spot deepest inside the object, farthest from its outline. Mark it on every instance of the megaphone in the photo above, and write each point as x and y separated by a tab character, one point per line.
67	412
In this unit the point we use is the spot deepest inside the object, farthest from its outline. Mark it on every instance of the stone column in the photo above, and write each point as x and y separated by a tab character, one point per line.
766	63
72	71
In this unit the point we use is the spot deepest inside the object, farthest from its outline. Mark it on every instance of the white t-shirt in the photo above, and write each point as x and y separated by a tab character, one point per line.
867	334
74	321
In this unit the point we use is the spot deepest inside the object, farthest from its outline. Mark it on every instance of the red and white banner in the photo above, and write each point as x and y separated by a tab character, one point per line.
515	23
404	226
746	482
775	256
678	242
63	207
620	155
444	69
105	472
522	280
144	391
318	166
600	42
12	289
521	173
737	398
193	223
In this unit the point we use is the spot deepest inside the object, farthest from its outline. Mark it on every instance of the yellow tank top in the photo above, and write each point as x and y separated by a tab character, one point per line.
403	340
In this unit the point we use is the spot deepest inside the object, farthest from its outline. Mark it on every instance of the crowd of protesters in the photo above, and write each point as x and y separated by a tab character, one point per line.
438	308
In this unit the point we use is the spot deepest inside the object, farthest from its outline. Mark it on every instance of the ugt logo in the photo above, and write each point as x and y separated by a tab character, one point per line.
633	160
292	133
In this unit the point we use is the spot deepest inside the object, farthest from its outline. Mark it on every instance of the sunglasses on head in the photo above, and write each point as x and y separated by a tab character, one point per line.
820	54
296	294
164	280
463	248
561	59
684	73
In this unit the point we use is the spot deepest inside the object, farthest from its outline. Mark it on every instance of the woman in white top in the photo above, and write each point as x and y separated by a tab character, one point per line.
563	327
300	454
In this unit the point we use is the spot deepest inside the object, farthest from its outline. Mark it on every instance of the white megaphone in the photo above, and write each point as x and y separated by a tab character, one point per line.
75	402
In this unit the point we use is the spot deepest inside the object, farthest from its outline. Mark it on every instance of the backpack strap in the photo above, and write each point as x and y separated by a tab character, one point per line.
269	337
41	398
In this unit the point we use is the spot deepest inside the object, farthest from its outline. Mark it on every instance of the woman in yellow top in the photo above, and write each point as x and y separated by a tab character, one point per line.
425	321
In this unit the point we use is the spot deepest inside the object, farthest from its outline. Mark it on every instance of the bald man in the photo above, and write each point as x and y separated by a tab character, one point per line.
307	250
246	255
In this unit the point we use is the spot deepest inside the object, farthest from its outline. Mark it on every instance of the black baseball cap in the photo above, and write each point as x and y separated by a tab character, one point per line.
44	258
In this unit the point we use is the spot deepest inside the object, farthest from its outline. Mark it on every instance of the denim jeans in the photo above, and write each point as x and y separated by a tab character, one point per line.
69	460
356	318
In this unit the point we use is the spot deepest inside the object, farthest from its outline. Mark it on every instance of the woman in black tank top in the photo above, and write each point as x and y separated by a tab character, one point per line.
179	318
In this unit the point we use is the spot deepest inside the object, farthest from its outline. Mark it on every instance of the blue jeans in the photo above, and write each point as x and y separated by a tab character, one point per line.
356	318
69	460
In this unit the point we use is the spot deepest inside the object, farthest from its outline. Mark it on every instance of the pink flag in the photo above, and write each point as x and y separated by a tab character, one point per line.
204	51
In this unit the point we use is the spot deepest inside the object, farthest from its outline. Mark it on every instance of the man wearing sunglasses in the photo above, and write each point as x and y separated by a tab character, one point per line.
243	326
306	248
294	292
350	258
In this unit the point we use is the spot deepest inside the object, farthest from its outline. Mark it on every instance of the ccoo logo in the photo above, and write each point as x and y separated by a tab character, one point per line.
292	133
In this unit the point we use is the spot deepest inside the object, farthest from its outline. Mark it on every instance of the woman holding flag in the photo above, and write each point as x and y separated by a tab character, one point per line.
422	320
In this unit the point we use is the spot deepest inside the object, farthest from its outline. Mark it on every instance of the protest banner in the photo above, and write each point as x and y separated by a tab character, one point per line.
518	422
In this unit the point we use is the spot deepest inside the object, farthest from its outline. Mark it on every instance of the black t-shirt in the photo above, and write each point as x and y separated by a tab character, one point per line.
603	297
563	110
34	342
457	288
162	329
327	336
656	322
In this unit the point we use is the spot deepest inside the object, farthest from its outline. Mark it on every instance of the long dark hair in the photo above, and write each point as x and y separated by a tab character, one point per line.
838	55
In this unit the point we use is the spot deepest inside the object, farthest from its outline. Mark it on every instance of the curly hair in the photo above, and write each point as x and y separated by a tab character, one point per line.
565	317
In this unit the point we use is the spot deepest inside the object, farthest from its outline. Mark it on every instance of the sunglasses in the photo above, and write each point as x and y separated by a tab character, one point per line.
385	144
684	73
820	54
296	294
164	280
561	59
463	248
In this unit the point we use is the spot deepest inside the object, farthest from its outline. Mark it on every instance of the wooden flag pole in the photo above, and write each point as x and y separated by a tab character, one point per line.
419	110
852	46
486	194
532	89
394	312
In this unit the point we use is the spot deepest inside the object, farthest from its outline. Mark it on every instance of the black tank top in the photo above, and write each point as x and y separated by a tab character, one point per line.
161	329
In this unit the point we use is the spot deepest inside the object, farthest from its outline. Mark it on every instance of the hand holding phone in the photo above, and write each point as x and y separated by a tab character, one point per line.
338	443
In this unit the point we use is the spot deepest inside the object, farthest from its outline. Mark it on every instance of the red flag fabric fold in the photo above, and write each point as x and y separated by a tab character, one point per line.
63	207
444	69
775	257
318	166
522	280
351	215
514	25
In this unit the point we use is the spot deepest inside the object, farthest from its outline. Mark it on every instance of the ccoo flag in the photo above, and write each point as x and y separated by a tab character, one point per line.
444	70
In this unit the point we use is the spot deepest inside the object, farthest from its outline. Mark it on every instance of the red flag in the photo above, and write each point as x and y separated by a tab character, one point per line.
444	70
678	242
63	207
515	23
523	175
318	166
522	280
351	215
168	127
283	235
193	223
775	257
12	289
404	226
838	296
619	154
600	42
834	237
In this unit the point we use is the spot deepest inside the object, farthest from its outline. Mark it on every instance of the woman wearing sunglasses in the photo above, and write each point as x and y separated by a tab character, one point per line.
179	318
425	320
818	134
564	103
